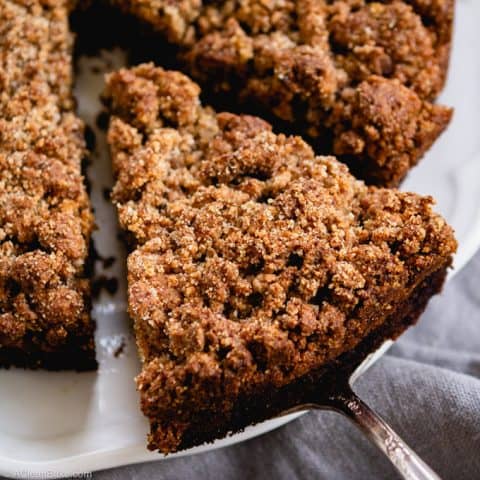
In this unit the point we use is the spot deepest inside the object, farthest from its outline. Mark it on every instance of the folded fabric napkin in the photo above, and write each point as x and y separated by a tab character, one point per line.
427	387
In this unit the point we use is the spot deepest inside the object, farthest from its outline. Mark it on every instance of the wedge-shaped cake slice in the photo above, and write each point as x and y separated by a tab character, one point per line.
45	216
256	266
356	76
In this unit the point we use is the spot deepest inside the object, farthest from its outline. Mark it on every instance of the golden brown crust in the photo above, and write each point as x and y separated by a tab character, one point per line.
305	61
255	261
45	216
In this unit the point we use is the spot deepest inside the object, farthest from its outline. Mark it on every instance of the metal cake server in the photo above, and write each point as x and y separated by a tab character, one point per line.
340	397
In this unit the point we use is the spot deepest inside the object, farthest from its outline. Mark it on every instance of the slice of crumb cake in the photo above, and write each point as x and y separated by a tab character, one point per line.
45	215
255	266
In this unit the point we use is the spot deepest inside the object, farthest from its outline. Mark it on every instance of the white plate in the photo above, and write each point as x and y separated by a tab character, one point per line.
57	424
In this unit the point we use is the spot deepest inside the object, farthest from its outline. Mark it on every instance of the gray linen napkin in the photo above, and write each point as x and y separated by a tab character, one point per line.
427	387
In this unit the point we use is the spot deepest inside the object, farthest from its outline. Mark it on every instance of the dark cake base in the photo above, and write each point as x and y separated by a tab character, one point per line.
79	355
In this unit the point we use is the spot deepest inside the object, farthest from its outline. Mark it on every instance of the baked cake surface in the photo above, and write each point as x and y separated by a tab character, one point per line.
45	216
255	264
356	76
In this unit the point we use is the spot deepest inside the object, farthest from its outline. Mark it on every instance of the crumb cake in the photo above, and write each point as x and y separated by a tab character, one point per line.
45	215
355	76
256	267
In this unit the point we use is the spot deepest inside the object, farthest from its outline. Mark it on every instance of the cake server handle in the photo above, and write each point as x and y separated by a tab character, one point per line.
406	461
344	400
